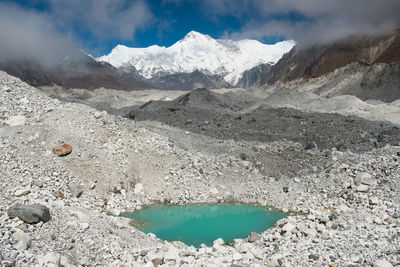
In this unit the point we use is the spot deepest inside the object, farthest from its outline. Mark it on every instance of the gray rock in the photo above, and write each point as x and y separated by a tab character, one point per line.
30	213
313	257
382	263
285	189
364	178
253	237
310	146
76	189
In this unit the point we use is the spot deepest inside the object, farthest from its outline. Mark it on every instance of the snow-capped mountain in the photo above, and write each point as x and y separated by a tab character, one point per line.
198	52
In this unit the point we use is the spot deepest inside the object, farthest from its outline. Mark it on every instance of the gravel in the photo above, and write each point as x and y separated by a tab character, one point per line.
119	165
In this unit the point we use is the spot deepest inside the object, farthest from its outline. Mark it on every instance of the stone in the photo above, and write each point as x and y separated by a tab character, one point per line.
63	150
382	263
84	226
236	256
30	213
51	259
139	189
97	115
245	163
171	254
289	227
156	262
23	240
66	262
313	257
364	178
258	253
253	237
362	188
22	192
285	189
214	191
17	120
76	189
219	242
310	146
373	201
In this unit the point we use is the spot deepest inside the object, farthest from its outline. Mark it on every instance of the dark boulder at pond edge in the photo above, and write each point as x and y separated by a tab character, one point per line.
30	213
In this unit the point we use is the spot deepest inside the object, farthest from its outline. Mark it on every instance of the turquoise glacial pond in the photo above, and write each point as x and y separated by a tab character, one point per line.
203	223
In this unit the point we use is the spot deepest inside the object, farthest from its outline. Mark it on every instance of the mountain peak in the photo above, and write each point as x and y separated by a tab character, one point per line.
197	51
196	36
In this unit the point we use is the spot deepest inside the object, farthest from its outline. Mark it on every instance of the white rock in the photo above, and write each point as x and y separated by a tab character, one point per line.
23	240
22	192
258	253
84	226
289	227
115	212
364	178
245	163
172	254
374	201
16	120
214	191
51	259
219	242
382	263
236	256
97	115
362	188
139	189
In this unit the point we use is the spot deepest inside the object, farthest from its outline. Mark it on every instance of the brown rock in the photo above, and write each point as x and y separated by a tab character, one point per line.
63	150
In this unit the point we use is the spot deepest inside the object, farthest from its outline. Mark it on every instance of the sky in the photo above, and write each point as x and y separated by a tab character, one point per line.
49	29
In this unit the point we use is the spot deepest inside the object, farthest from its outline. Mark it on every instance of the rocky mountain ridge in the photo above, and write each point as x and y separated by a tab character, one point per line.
312	62
199	52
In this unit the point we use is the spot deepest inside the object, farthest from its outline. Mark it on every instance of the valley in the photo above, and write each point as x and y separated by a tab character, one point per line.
316	140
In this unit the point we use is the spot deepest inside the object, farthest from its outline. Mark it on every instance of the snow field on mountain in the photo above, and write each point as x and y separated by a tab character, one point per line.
199	52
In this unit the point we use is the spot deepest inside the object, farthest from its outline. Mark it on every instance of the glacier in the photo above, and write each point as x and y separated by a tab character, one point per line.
197	51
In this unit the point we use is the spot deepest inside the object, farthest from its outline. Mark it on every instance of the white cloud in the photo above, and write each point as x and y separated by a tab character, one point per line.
30	35
324	20
50	35
102	18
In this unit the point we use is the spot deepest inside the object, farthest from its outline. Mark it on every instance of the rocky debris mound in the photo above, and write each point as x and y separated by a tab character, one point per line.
222	117
30	213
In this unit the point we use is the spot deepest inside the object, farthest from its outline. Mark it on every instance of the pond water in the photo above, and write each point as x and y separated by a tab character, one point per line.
203	223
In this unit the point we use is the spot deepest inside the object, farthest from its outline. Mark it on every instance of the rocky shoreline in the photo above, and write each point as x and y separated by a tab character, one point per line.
350	199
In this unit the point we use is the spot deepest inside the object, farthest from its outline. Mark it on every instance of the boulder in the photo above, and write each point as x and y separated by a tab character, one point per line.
253	237
22	192
382	263
16	120
362	188
218	242
76	189
51	259
364	178
310	146
172	254
30	213
63	150
23	240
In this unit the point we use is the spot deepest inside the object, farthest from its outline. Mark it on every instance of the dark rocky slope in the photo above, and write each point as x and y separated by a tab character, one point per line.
316	61
78	72
220	116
